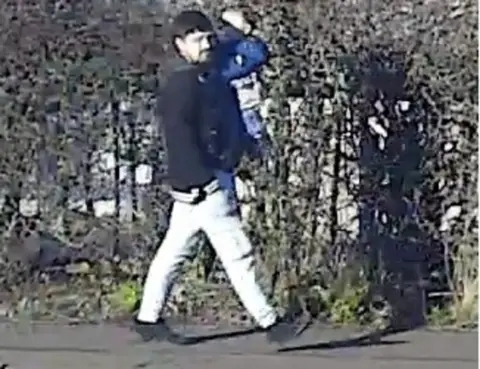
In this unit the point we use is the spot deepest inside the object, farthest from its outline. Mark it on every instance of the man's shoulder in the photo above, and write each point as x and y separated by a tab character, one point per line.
181	73
181	77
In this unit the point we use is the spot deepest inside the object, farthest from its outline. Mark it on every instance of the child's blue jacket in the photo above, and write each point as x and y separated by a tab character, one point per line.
238	56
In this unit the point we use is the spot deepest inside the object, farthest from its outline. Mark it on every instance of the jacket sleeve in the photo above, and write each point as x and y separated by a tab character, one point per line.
177	100
235	137
178	107
240	55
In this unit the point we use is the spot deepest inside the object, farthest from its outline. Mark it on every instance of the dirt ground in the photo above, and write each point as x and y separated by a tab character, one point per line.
110	346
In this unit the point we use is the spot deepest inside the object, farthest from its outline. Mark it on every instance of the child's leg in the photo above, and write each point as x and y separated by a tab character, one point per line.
256	129
253	123
227	182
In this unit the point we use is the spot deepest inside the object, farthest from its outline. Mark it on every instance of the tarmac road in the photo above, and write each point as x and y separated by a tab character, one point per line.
49	346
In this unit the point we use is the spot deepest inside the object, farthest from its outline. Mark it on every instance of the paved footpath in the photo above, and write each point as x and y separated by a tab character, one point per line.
114	347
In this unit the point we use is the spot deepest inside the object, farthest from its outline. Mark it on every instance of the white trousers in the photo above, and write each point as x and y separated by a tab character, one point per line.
217	218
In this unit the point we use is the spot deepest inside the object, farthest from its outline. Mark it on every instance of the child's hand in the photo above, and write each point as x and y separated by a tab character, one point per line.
237	20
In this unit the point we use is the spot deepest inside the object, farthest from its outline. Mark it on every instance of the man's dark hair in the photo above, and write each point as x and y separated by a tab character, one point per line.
189	21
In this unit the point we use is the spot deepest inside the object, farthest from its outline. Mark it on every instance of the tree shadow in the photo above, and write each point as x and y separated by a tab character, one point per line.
391	159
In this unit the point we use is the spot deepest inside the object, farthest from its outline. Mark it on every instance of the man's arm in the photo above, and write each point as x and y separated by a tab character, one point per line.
177	107
185	124
240	55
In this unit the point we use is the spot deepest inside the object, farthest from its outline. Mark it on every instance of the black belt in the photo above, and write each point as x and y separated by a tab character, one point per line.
196	194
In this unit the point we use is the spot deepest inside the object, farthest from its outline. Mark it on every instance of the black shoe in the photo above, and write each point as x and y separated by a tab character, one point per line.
158	331
282	331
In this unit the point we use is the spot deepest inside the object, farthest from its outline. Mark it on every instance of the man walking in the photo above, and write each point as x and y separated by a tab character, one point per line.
197	108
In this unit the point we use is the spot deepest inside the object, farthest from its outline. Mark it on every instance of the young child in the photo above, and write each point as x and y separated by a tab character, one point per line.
240	57
249	86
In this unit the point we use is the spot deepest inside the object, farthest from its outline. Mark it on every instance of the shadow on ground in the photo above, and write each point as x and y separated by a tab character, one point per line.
365	340
193	340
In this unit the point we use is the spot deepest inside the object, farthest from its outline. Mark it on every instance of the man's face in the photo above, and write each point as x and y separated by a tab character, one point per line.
196	46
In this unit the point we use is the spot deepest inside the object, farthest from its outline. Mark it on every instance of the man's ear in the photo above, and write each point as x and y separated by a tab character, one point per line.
178	43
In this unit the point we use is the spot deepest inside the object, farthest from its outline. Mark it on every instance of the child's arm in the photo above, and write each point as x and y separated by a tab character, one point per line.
240	55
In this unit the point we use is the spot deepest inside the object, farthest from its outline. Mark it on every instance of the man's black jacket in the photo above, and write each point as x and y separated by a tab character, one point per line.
202	126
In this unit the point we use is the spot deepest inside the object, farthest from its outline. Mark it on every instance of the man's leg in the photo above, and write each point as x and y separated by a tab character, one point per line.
175	248
224	229
226	179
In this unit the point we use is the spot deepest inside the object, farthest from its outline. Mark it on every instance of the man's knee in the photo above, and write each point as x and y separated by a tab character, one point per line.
167	264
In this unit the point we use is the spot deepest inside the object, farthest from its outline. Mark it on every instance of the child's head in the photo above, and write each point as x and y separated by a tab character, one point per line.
193	36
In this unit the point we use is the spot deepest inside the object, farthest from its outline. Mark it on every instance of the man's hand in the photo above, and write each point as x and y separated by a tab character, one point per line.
237	20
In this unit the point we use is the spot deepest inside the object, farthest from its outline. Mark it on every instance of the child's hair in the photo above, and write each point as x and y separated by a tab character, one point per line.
187	22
